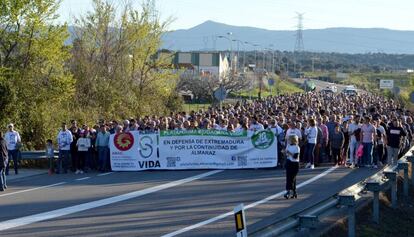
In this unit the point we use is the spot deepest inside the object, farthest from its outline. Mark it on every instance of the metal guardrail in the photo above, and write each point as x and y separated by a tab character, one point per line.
35	155
382	181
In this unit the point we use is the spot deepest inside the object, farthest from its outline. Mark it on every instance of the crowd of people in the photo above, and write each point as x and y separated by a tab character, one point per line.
355	131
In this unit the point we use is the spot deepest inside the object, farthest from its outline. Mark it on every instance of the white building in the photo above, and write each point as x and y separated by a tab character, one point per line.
204	64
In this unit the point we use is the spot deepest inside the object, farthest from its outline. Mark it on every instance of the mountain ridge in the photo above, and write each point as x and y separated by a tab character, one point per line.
334	39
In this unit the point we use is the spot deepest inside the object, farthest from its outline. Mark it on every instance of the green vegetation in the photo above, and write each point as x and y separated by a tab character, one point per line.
280	87
111	71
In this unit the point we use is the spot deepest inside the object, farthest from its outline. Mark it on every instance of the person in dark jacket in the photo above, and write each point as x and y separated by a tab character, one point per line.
337	143
3	162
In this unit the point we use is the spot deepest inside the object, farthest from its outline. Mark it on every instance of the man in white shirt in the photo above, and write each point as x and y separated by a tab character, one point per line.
255	126
13	141
353	144
64	139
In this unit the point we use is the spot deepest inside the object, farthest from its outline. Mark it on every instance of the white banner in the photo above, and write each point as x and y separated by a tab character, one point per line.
386	84
195	149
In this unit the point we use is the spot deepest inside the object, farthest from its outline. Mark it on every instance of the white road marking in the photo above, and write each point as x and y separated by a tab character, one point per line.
224	215
104	174
5	225
83	178
32	189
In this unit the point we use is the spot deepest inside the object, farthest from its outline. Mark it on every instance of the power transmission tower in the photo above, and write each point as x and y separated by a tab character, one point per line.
299	47
153	9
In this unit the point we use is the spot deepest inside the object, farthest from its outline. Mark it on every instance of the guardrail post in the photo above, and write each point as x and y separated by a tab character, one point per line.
411	160
392	177
349	201
375	188
404	166
307	222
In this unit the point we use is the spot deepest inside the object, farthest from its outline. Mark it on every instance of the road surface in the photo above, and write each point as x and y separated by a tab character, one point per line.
159	203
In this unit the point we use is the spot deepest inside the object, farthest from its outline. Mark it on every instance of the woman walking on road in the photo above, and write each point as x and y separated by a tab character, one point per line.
292	166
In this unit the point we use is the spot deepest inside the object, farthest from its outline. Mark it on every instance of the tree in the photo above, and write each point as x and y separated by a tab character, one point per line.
116	63
32	68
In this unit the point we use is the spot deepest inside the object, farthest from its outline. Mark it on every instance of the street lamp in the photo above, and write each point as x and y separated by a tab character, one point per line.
231	46
255	54
238	51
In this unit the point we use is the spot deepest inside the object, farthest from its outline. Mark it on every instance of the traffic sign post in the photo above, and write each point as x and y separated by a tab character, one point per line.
220	94
386	84
240	220
396	90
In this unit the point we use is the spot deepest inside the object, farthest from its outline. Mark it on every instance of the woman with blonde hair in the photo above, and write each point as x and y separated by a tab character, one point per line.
292	166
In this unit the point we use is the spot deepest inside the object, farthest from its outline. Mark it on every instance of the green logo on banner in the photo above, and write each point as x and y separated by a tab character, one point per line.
263	139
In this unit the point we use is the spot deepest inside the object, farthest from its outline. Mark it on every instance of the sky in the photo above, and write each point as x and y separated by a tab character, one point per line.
272	14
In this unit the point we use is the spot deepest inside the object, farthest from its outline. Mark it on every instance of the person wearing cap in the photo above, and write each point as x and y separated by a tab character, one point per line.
4	155
292	166
13	142
83	144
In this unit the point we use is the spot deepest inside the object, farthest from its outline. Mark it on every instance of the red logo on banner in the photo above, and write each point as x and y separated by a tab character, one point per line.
123	141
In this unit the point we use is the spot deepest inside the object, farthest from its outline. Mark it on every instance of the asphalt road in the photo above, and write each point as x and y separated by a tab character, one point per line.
321	84
159	203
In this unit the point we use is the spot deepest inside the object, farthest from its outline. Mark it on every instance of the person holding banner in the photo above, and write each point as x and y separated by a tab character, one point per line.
292	166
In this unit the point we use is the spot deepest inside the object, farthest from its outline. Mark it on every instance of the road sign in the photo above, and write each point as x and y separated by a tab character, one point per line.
271	81
386	84
412	97
396	90
220	94
240	219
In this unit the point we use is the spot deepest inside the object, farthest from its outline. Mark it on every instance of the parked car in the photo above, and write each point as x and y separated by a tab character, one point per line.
350	90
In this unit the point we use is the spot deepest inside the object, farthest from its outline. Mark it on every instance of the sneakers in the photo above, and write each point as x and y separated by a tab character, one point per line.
375	167
77	172
308	165
352	166
312	167
80	171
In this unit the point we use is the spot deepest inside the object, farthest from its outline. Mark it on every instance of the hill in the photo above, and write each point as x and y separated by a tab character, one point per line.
339	40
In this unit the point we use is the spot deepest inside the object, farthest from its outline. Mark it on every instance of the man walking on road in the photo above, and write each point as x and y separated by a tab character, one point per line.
64	139
368	135
13	141
3	162
394	134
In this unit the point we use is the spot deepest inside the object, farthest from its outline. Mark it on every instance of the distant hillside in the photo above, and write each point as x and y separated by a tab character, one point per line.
340	40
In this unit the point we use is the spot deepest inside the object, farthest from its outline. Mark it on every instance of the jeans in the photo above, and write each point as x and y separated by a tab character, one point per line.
63	161
12	155
367	155
380	153
352	150
336	155
392	155
103	154
309	153
2	178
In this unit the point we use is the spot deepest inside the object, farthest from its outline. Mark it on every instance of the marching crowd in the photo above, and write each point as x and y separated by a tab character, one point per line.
355	131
